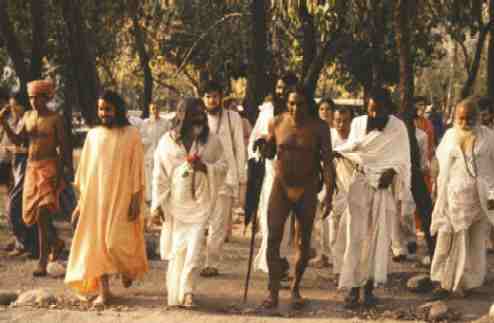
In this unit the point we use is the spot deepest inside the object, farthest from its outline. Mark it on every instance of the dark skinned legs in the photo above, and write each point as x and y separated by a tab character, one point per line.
43	219
305	211
279	210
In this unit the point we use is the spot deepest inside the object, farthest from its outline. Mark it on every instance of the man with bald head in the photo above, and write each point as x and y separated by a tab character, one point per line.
48	158
464	202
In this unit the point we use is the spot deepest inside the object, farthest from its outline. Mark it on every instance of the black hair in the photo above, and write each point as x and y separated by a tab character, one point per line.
383	98
485	103
343	109
118	102
188	104
212	86
329	101
302	90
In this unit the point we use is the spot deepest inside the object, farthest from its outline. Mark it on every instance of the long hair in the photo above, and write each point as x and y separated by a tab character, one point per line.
118	102
187	105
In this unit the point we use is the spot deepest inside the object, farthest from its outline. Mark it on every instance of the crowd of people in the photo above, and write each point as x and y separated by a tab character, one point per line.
366	185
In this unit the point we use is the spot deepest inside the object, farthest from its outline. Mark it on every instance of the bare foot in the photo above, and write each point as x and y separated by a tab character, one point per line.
126	281
189	300
269	303
298	301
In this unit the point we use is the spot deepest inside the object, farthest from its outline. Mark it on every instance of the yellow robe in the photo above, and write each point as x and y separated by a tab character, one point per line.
110	171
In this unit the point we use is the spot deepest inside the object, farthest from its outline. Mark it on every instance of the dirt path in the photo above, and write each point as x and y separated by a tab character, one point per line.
220	299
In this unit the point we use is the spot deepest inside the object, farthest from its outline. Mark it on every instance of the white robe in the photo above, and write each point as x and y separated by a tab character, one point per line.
370	209
332	235
186	216
460	216
152	130
228	126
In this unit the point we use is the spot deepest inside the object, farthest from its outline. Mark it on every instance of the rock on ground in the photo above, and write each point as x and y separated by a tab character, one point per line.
55	269
39	297
420	284
438	311
7	297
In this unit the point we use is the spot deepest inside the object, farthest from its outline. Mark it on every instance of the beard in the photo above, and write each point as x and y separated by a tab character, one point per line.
465	137
377	123
279	104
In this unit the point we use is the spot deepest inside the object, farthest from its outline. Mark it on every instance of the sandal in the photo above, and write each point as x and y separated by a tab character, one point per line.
40	272
209	272
319	262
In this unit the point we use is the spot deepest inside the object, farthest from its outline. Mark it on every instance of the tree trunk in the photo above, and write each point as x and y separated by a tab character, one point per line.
140	44
38	32
490	58
402	22
309	44
82	61
14	51
257	86
377	39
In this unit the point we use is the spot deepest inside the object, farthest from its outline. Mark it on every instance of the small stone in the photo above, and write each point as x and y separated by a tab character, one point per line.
420	284
439	310
55	269
39	297
7	298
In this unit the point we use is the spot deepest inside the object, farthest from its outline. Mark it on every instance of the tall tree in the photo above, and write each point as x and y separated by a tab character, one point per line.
82	60
257	86
403	17
140	43
490	58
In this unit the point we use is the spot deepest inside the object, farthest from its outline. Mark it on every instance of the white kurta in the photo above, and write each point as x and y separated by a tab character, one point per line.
228	126
460	214
266	113
186	214
370	209
329	228
152	130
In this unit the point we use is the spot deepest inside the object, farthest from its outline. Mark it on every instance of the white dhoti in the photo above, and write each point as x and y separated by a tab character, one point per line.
184	263
460	258
369	239
217	231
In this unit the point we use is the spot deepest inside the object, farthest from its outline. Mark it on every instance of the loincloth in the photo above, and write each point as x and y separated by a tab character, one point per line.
40	189
295	193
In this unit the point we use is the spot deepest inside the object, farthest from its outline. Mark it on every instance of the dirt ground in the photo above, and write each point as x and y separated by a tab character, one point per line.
220	299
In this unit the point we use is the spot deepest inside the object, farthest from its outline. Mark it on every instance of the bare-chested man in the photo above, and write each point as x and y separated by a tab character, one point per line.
301	141
47	160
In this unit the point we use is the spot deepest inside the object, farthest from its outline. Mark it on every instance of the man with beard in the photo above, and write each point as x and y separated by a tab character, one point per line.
188	172
267	112
301	142
48	159
109	237
228	126
378	145
464	202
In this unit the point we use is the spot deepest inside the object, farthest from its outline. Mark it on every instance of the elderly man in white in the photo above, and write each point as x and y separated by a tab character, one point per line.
188	172
378	145
464	203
